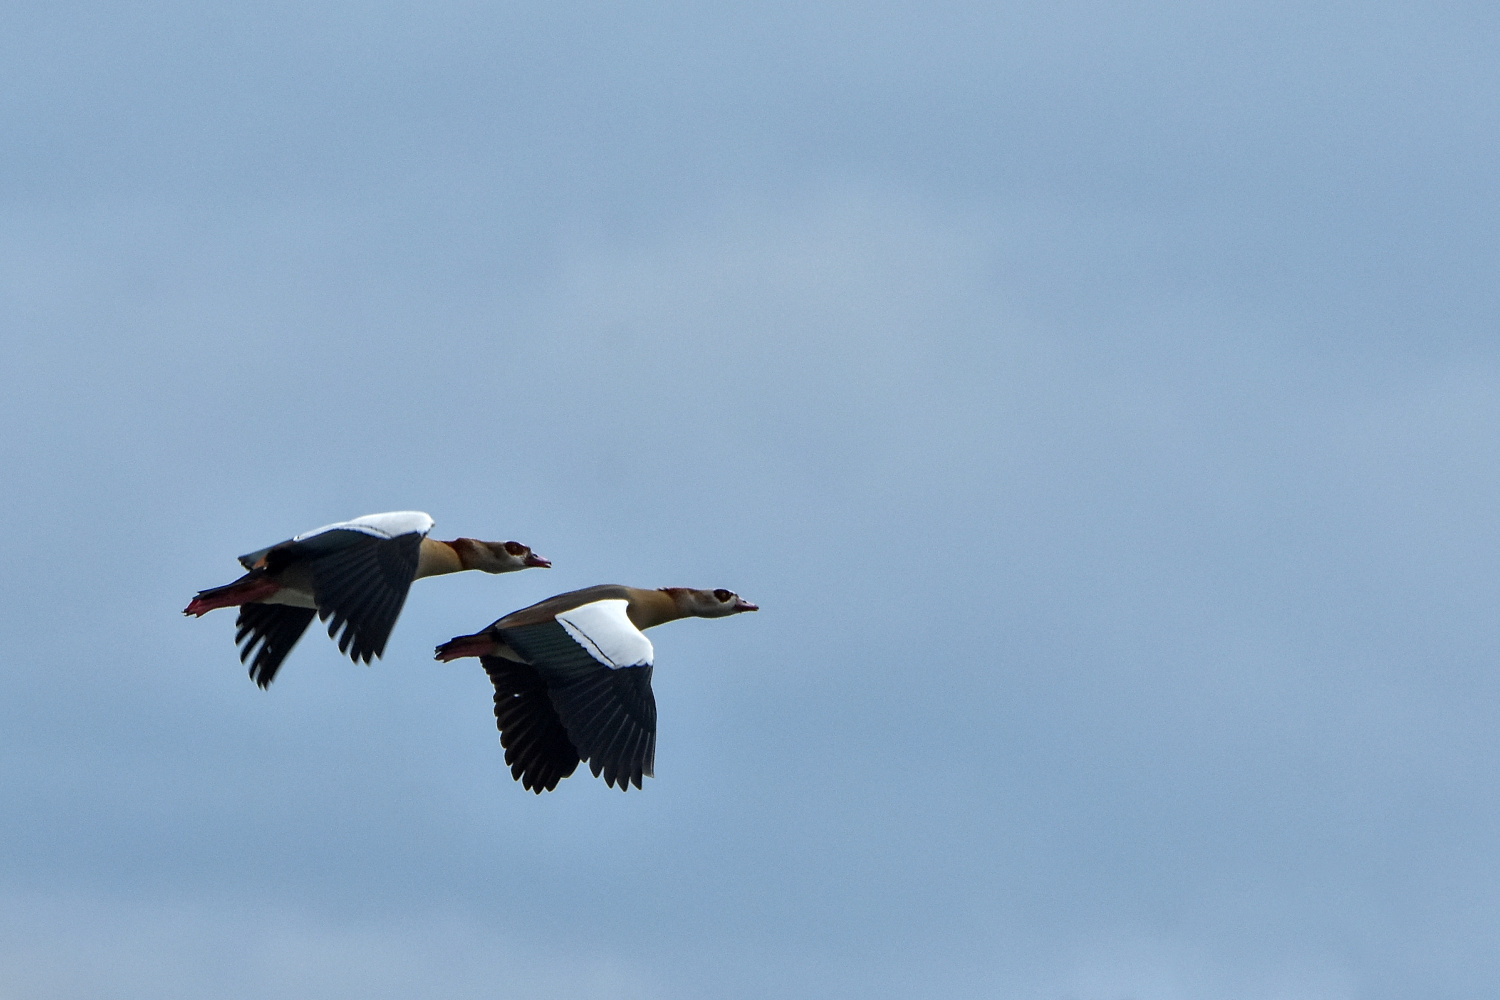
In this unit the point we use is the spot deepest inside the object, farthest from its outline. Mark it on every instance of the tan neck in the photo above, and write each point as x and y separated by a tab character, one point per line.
652	607
436	558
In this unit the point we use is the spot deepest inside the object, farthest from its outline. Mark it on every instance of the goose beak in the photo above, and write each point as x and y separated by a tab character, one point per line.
740	604
535	560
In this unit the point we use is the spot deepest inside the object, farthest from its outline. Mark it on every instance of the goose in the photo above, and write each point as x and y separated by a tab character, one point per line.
353	575
572	678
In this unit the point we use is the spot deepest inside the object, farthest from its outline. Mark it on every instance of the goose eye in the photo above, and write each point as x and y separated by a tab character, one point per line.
723	594
515	548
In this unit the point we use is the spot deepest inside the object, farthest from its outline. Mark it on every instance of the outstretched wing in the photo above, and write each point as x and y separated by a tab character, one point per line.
536	745
596	666
359	572
360	588
275	629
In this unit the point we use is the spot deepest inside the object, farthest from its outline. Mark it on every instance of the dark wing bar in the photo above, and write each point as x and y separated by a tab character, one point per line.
361	589
536	745
275	628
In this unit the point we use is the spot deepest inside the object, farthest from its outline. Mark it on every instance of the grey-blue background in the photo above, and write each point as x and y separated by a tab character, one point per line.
1099	399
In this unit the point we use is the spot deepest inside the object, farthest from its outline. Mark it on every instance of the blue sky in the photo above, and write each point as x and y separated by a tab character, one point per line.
1100	401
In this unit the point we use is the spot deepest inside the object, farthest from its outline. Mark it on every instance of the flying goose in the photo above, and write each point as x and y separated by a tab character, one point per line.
572	678
355	573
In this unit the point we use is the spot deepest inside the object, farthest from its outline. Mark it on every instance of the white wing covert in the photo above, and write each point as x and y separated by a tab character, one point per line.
330	537
387	525
606	633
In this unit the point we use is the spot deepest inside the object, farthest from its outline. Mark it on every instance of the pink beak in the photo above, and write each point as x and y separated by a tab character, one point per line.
535	560
740	604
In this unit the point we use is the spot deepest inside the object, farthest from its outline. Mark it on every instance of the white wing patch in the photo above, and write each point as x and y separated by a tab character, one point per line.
389	525
604	629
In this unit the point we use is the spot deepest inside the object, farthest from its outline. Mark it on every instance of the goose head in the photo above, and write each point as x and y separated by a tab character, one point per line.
709	603
497	557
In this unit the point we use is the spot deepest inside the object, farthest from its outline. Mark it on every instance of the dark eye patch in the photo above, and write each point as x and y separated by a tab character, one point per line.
515	548
723	594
